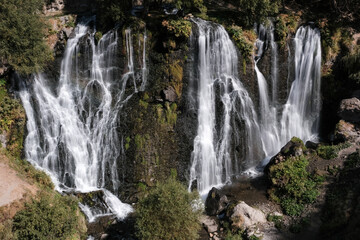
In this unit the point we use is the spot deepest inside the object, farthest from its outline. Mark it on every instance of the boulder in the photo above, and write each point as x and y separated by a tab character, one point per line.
312	145
346	132
243	216
209	224
295	147
350	110
215	202
169	94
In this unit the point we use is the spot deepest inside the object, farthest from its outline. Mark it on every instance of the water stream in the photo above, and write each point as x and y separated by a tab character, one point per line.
72	123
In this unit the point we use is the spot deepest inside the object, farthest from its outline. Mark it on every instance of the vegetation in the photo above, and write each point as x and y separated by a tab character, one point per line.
351	63
51	217
329	152
277	220
179	28
244	40
167	213
293	186
12	120
22	34
111	12
256	11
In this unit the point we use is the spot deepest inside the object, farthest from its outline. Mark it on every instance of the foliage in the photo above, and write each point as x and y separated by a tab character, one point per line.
51	217
179	28
293	186
12	120
285	23
244	40
256	11
351	63
167	213
22	35
329	152
111	12
5	230
277	220
353	161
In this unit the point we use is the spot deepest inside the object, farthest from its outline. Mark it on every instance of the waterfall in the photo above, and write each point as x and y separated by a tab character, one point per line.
214	158
72	123
230	135
301	112
267	105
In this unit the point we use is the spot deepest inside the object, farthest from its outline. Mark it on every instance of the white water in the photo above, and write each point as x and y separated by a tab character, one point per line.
72	124
301	112
214	159
268	121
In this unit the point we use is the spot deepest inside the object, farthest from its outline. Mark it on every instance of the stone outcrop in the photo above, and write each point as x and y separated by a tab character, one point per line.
215	202
346	131
295	147
243	216
350	110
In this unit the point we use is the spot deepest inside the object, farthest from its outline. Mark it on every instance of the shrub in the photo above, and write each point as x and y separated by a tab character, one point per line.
179	28
244	40
293	186
51	217
22	33
167	213
329	152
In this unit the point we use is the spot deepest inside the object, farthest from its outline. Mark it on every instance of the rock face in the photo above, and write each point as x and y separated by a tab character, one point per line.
350	110
169	94
215	202
209	224
295	147
243	216
346	131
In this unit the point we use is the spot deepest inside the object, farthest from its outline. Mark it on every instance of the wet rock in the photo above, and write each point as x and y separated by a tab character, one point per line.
346	131
295	147
215	202
209	224
169	94
243	216
350	110
67	32
311	145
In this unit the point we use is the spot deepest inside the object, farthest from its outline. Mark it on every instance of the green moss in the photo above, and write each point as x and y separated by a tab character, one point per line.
171	114
127	143
143	104
98	36
292	185
176	75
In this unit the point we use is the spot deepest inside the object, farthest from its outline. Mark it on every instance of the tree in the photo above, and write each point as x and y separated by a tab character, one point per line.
167	213
256	11
22	32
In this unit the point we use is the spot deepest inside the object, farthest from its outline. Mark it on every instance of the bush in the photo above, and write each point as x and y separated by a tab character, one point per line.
179	28
51	217
244	40
22	35
256	11
293	186
167	213
329	152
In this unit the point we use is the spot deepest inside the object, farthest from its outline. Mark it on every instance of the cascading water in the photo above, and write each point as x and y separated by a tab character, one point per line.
72	124
220	93
267	104
301	112
214	159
